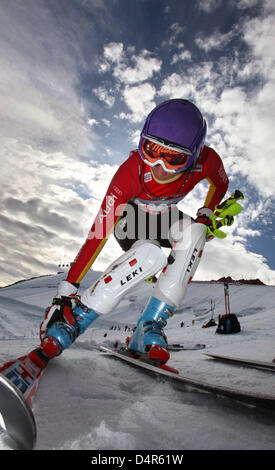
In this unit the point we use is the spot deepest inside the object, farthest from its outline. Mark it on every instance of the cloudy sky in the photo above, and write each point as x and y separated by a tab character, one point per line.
77	79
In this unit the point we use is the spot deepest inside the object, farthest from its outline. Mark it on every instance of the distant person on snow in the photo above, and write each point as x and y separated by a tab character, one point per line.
140	209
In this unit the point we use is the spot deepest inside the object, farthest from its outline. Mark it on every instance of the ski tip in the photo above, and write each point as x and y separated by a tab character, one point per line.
18	419
168	368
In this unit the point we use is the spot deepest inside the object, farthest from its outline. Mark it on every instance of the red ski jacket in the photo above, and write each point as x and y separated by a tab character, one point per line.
135	182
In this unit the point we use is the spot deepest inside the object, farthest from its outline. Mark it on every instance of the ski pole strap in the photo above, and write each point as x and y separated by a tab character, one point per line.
224	214
227	220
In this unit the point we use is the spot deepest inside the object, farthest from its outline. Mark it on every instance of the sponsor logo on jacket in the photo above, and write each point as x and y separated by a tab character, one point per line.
110	201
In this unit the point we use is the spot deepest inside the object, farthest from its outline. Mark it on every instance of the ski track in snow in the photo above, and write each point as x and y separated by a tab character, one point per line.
87	400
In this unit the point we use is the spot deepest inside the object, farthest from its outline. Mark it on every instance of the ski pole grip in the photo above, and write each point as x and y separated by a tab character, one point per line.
237	194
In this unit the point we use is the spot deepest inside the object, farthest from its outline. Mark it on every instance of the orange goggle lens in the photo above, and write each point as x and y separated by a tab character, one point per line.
171	158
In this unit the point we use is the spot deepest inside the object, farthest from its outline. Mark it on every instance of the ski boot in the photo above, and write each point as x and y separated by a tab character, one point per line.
148	340
60	335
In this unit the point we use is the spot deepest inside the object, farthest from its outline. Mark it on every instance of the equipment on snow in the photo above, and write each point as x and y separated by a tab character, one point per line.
173	136
182	347
211	322
263	365
228	323
255	399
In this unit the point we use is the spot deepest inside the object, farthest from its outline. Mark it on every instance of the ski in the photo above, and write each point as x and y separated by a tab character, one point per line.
181	347
140	360
269	366
19	380
117	345
243	396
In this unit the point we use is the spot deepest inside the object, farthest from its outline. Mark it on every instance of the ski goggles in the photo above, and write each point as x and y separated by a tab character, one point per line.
156	151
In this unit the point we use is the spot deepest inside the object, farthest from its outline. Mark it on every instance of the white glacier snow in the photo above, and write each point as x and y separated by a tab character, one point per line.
87	400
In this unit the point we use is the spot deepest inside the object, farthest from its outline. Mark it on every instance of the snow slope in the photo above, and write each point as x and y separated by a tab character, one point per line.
87	400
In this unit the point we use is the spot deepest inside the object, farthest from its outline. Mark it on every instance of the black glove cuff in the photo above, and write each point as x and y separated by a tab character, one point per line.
64	301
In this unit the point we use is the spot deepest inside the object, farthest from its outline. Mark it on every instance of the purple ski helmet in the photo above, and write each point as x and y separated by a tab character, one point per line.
177	125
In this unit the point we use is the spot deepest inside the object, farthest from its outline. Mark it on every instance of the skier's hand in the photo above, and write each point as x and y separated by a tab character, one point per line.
61	309
203	217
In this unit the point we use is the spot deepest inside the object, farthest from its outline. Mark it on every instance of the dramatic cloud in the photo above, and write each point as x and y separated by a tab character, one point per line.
131	72
235	257
243	122
139	100
78	79
215	41
105	95
208	6
127	66
46	214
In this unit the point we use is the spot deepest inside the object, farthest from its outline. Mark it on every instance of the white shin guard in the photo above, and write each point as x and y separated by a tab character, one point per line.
188	243
143	260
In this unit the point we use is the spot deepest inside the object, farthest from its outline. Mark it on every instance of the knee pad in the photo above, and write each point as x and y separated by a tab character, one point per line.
144	259
188	242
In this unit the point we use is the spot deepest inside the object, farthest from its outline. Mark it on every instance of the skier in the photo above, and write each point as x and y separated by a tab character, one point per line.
140	209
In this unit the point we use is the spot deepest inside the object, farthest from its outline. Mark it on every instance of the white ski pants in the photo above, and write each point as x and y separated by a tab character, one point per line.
145	259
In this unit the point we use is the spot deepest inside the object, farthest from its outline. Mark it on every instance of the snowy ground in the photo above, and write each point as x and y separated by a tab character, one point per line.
87	400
